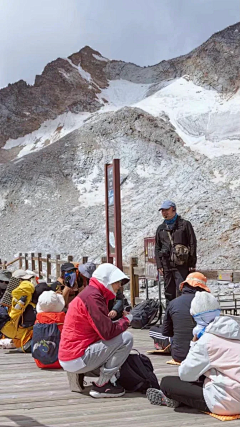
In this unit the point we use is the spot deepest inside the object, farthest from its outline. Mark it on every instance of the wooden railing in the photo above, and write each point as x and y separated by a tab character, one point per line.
49	268
35	262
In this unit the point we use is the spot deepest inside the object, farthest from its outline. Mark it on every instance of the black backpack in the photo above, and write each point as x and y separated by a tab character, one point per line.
28	317
144	314
4	317
45	343
136	374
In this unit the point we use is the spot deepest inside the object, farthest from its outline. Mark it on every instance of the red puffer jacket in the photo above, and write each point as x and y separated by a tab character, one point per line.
51	318
87	321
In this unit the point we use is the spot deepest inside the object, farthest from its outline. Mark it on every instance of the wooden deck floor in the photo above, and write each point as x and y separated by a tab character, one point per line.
30	397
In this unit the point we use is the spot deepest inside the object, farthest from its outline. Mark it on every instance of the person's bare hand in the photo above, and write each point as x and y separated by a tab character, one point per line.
160	270
112	314
195	338
125	313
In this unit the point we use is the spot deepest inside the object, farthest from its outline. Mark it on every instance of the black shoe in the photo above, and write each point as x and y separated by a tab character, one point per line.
107	390
27	348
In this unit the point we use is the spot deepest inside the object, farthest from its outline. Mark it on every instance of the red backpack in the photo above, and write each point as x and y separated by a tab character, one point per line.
48	318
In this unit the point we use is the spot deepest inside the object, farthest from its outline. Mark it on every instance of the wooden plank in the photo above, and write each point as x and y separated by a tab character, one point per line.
58	271
236	276
11	262
49	267
33	265
39	264
31	397
20	260
26	261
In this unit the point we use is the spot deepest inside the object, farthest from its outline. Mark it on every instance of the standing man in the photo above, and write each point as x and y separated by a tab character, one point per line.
175	249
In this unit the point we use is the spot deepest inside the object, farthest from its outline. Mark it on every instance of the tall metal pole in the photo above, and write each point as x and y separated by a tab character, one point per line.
117	213
106	210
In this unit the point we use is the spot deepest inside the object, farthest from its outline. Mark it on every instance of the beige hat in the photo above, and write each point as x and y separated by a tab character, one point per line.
50	302
23	274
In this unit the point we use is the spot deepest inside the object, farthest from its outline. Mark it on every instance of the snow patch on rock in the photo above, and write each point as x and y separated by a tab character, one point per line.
100	58
218	177
207	122
121	93
48	133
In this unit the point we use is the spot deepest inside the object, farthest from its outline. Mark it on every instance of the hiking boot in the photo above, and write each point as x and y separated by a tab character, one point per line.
76	382
107	390
157	397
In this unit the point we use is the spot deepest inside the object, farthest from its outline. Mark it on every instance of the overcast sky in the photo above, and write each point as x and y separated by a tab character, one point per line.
35	32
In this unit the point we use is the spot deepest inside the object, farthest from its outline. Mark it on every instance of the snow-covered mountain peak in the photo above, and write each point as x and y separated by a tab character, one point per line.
175	127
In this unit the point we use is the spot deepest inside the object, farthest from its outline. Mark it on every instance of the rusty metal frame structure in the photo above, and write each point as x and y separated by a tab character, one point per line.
117	254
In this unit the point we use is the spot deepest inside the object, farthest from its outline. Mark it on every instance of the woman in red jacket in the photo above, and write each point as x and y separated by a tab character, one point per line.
90	341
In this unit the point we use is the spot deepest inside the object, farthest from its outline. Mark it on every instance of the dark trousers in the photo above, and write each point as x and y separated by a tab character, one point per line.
190	394
172	279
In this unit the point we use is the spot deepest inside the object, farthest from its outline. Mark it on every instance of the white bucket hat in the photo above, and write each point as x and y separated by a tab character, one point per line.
50	302
107	274
203	302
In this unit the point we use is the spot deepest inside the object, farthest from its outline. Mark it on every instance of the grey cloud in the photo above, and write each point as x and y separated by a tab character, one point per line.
34	32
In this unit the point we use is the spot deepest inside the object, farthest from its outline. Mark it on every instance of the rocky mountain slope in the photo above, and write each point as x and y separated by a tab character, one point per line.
175	127
73	83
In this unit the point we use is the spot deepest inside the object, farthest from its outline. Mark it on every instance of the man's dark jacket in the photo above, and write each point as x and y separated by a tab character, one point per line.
178	323
117	304
182	233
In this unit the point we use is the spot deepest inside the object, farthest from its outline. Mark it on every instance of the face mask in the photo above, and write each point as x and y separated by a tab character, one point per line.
70	278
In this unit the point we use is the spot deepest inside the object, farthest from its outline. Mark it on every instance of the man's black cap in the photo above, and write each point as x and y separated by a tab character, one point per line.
67	267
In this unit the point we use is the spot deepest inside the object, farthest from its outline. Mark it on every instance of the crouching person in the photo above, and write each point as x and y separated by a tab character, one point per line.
178	322
47	330
209	377
91	344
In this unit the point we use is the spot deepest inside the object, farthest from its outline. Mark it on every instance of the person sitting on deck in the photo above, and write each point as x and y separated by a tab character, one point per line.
47	330
5	277
19	302
115	306
16	278
85	272
91	343
178	322
21	312
74	278
209	377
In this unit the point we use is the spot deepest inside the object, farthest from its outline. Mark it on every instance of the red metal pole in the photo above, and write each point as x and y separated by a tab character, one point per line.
106	210
117	213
